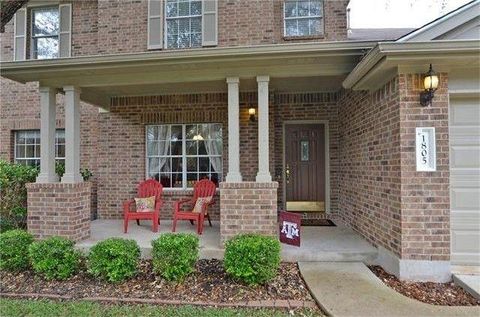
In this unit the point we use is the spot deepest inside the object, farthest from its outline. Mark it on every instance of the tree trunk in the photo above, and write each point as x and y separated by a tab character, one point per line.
8	9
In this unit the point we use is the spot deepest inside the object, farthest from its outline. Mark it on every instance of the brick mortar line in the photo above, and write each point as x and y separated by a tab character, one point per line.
287	304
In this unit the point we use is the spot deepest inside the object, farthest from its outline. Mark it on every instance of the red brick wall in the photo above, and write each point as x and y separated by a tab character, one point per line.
307	107
122	136
248	207
112	26
59	210
425	195
369	161
382	196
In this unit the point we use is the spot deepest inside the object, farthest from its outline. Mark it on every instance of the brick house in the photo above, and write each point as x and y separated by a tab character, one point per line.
270	99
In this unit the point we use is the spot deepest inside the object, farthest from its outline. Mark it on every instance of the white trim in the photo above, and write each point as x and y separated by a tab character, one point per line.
327	159
444	24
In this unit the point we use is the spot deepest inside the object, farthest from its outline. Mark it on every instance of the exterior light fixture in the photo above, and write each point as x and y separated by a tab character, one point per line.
430	83
251	112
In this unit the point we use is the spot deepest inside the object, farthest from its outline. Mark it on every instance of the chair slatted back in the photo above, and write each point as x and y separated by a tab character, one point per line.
150	188
203	188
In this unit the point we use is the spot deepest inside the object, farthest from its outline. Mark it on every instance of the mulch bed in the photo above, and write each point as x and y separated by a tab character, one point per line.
444	294
210	283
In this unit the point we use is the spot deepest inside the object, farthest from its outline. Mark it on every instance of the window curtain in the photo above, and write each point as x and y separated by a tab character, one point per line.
164	147
214	147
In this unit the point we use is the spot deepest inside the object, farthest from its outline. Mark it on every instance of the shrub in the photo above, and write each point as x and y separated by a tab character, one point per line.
114	259
13	194
174	255
253	259
54	258
14	250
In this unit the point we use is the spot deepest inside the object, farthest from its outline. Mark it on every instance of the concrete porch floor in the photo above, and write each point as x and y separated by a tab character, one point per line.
318	243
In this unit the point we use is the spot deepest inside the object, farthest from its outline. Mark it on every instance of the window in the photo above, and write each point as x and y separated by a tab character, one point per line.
178	155
303	17
27	147
183	23
45	33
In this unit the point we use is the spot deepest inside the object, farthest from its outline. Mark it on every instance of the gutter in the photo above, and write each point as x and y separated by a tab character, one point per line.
191	55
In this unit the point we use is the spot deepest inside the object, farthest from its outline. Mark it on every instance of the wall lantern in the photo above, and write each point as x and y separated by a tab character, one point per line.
430	83
251	112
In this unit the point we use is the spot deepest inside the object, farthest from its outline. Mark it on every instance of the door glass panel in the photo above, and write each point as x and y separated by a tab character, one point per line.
305	151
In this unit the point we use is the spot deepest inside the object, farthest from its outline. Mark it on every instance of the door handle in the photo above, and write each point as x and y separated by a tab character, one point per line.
287	174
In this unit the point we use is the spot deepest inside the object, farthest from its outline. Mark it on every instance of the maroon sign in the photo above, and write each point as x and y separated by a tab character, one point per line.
290	228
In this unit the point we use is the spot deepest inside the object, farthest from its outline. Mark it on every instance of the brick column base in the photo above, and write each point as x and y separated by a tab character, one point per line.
248	207
59	209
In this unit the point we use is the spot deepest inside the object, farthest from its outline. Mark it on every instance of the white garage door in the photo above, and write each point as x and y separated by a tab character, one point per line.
465	180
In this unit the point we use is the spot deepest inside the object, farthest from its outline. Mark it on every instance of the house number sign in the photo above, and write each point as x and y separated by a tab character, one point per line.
426	149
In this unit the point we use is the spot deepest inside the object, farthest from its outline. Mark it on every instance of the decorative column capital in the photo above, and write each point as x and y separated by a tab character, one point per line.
74	89
263	79
233	80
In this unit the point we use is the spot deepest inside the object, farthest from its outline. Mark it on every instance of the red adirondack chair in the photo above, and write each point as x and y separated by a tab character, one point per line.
145	189
202	188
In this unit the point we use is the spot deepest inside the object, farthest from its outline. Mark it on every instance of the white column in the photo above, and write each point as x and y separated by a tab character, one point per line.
233	131
263	174
72	135
47	136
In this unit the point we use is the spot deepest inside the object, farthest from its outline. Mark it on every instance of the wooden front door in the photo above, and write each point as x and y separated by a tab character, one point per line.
305	167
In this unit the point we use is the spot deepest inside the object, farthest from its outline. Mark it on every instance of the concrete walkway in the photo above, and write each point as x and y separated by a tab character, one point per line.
351	289
470	283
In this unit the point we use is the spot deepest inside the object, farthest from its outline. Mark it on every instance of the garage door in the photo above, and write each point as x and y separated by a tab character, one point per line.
465	180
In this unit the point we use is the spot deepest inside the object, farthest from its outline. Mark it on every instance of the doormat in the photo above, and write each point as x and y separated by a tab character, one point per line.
318	222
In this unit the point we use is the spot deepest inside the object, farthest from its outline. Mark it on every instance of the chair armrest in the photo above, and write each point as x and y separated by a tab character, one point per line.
127	204
179	203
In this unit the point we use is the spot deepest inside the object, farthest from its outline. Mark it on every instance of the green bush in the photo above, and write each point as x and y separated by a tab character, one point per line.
174	255
14	250
114	259
13	194
60	170
253	259
55	258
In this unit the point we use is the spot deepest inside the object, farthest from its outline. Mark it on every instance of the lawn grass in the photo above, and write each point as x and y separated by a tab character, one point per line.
47	308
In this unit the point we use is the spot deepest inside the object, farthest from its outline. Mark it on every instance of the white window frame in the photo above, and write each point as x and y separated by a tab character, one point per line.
165	26
184	156
32	37
321	17
21	160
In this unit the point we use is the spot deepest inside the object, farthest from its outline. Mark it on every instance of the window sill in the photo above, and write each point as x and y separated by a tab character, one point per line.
308	37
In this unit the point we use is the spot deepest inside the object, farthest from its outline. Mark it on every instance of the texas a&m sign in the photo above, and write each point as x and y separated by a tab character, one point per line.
290	228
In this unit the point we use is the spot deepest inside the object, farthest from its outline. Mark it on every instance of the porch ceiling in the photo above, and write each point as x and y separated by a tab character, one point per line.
317	66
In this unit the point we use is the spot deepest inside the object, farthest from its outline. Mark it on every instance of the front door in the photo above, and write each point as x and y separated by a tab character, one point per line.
305	167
